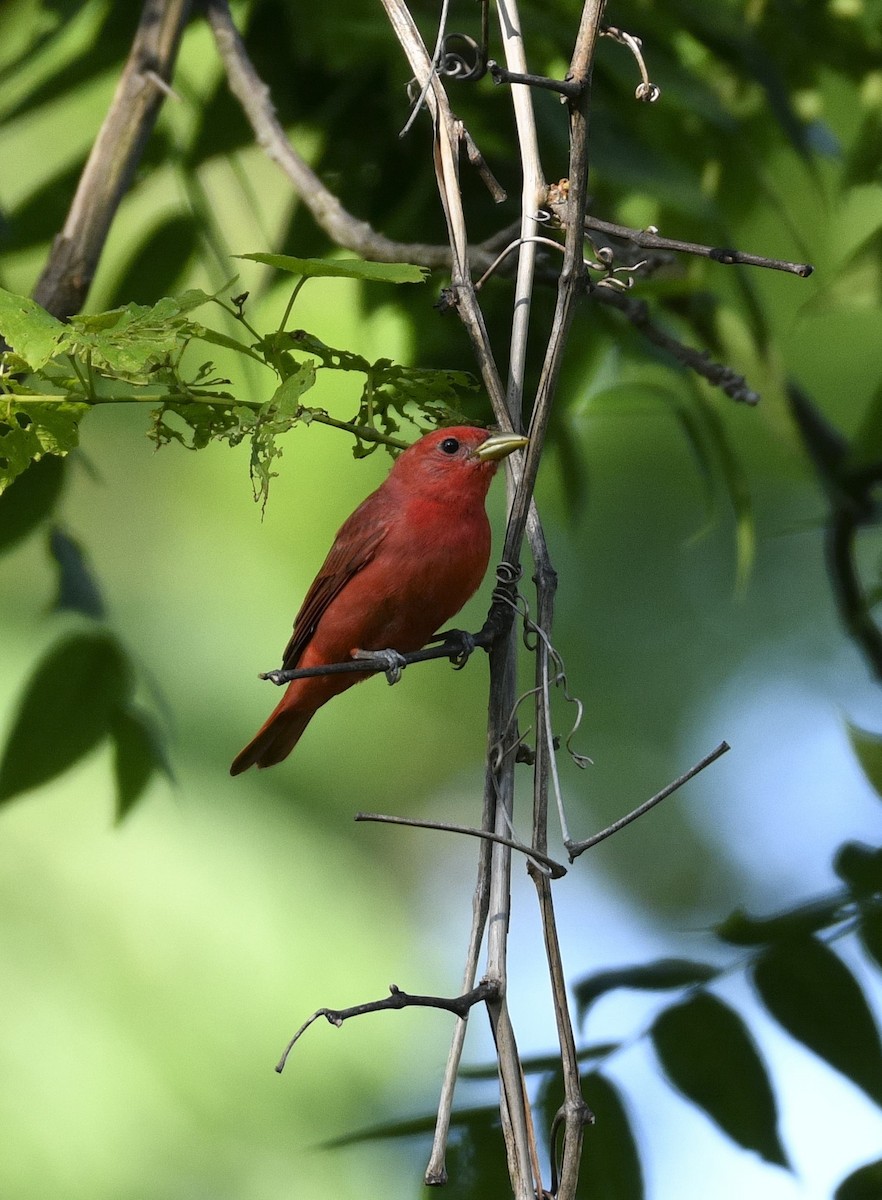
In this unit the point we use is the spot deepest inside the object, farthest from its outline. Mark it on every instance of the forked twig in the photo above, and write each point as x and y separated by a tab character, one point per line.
555	869
577	848
460	1005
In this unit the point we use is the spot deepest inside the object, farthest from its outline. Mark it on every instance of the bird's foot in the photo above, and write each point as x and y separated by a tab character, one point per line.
460	644
391	661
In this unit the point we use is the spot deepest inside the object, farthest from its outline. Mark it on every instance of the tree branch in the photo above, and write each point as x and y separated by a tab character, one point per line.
460	1005
65	280
328	213
551	867
649	239
577	848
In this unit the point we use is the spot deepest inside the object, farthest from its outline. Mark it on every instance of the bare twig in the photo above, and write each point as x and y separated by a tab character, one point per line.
577	848
460	1005
555	869
65	280
650	239
637	312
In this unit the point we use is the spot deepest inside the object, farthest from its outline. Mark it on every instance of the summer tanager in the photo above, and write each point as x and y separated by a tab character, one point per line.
402	565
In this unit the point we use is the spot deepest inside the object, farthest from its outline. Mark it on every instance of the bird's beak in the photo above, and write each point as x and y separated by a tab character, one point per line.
499	445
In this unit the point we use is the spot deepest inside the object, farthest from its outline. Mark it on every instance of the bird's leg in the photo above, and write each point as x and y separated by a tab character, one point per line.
460	644
390	661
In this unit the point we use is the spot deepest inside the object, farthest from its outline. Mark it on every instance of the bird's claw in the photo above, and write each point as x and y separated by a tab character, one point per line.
460	644
392	662
276	677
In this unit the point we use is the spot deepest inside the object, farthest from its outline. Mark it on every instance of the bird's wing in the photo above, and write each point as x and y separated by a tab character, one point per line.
354	547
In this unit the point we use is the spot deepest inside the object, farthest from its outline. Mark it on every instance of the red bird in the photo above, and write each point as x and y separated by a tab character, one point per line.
403	564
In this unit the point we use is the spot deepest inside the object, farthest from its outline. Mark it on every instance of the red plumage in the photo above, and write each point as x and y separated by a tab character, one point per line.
401	566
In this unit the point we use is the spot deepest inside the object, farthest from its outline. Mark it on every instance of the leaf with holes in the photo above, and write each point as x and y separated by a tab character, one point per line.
31	428
29	330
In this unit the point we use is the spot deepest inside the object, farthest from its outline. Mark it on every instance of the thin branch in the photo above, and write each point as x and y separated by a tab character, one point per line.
555	869
65	280
460	1005
577	848
456	646
565	87
650	239
637	312
329	214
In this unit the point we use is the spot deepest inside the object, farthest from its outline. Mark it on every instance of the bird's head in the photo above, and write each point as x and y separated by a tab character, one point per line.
463	457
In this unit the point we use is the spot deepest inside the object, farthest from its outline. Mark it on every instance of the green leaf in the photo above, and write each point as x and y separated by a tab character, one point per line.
29	330
29	429
342	268
708	1054
739	929
868	748
870	932
860	867
611	1161
810	992
68	706
863	1184
738	490
30	500
656	976
128	342
78	589
138	757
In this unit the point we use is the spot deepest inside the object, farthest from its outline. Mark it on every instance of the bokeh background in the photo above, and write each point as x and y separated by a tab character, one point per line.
151	971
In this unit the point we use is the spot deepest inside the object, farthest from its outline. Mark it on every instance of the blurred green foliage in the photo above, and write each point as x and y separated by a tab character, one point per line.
155	971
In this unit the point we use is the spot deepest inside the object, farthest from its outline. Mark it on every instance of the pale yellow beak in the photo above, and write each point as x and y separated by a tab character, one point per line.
500	445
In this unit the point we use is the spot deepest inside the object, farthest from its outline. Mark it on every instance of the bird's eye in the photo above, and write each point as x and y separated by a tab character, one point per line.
450	445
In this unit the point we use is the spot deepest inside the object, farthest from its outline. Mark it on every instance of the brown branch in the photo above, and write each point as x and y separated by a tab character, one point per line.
637	312
554	869
64	283
328	213
577	848
459	1005
648	239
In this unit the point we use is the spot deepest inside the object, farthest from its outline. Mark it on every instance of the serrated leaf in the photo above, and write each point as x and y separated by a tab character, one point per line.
68	706
860	867
708	1054
658	976
138	756
28	329
868	748
863	1184
129	341
30	500
812	994
342	268
29	429
611	1161
78	589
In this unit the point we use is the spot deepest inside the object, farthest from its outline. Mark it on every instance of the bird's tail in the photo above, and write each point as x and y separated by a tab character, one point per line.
275	739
